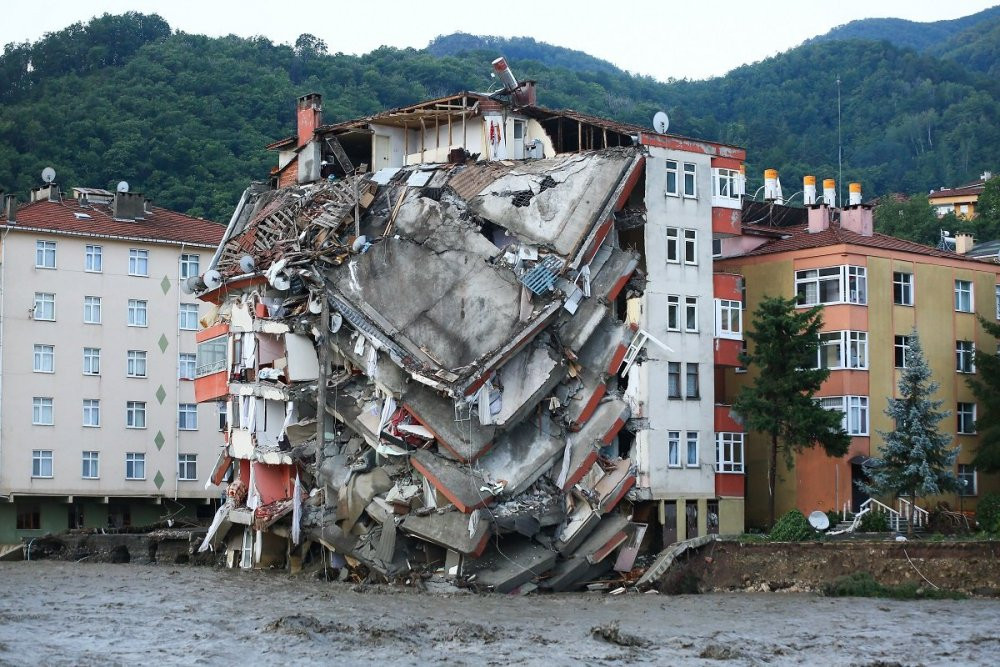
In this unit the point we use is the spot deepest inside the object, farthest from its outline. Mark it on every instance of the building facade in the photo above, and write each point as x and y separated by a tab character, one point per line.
99	426
960	200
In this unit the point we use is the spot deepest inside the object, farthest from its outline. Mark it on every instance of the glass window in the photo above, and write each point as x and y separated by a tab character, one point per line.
716	247
965	355
690	246
838	284
211	356
673	245
187	467
45	254
138	262
671	182
135	414
189	265
692	381
728	318
690	313
674	449
830	350
692	449
726	183
729	452
186	364
843	349
854	409
94	259
91	361
857	285
673	379
45	359
966	480
963	296
902	288
137	313
45	306
901	349
223	413
673	313
91	412
41	463
187	416
91	465
690	186
41	411
188	316
966	415
135	465
92	309
136	364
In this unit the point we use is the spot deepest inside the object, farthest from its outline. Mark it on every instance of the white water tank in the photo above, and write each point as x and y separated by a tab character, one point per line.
830	192
809	190
853	194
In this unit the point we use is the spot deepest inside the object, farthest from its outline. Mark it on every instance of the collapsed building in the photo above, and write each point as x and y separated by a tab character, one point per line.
475	336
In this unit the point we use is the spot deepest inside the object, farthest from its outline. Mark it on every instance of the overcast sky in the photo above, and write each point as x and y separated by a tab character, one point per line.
662	38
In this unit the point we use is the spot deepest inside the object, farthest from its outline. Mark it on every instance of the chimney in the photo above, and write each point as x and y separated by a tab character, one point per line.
10	209
963	243
128	206
310	116
48	192
525	95
857	219
819	218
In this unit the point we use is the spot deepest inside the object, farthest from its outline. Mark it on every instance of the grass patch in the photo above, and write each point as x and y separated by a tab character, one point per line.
862	584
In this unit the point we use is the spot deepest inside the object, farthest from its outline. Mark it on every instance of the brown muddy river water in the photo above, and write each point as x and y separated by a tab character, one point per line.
55	613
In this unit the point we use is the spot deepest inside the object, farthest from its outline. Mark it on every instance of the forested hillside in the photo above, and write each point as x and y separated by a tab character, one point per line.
184	117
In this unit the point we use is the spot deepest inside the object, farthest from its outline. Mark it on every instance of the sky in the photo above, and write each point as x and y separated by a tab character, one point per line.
661	38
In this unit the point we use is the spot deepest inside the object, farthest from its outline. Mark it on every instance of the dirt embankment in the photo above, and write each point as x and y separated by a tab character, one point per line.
971	567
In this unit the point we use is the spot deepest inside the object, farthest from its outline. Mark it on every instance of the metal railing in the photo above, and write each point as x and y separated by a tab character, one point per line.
875	506
920	515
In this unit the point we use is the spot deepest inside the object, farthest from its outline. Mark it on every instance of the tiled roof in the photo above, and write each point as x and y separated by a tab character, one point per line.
799	238
975	188
68	217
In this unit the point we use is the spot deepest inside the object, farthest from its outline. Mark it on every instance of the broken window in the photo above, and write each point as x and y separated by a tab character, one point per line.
673	379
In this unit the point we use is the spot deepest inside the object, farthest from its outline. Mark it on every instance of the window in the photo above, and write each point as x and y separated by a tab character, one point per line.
692	449
837	284
211	356
45	254
966	480
94	259
45	306
45	359
716	247
41	411
29	517
902	288
138	262
185	366
673	245
135	465
223	410
135	414
901	351
728	319
187	416
91	465
965	354
690	186
189	266
673	379
91	361
136	364
92	309
673	313
843	349
691	385
729	452
671	183
188	316
963	296
726	184
41	463
966	416
690	246
690	313
91	412
674	449
137	313
854	409
187	467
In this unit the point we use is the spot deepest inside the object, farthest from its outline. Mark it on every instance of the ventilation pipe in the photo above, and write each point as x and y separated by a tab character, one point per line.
854	194
506	76
830	192
809	190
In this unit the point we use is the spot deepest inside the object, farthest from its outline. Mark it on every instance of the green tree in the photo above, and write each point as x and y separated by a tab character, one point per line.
780	401
985	385
916	460
986	225
912	218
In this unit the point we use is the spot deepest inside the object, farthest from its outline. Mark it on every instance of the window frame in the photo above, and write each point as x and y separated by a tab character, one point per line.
671	168
844	275
135	307
674	449
689	174
967	471
729	464
966	289
38	458
92	407
90	458
133	411
90	304
724	317
965	356
215	345
44	251
900	348
690	237
39	404
138	258
673	236
731	177
89	355
185	263
902	288
692	438
846	342
187	467
132	360
93	256
674	390
673	312
132	461
42	299
688	374
691	314
187	360
40	352
186	412
853	408
965	418
184	314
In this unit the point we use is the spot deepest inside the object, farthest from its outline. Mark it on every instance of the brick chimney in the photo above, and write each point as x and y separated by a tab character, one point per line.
963	243
819	218
857	219
525	94
310	116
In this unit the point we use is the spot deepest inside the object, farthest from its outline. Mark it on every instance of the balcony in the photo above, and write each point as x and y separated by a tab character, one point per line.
726	420
727	352
210	380
726	221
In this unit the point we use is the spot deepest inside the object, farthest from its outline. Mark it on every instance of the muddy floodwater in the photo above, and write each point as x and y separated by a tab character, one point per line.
55	613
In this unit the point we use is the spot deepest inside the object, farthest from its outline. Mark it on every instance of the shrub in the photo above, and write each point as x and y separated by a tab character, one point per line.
874	522
988	513
834	517
793	527
862	584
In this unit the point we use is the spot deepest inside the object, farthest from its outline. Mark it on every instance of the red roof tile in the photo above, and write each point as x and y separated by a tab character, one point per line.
160	225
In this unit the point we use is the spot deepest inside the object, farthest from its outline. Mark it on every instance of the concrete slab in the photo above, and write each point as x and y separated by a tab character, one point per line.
607	284
580	522
614	484
526	379
458	483
520	561
450	530
604	350
465	441
521	456
578	328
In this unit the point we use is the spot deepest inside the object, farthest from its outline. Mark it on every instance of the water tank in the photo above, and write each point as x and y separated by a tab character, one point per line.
809	190
854	194
830	192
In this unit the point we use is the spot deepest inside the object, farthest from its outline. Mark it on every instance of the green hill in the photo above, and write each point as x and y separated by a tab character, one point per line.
908	34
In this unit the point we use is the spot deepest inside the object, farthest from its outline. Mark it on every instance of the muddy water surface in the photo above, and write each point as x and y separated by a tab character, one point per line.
54	613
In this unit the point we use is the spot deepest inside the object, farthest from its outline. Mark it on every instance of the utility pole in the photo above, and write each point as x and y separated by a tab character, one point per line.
840	151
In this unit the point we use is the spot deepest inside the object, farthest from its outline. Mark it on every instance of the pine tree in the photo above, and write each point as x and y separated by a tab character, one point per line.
916	460
780	401
985	385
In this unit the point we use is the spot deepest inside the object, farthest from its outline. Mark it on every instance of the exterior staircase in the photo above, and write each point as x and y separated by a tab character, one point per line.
897	518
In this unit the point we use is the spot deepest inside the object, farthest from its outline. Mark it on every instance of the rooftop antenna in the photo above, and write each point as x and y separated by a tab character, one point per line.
661	122
48	174
840	149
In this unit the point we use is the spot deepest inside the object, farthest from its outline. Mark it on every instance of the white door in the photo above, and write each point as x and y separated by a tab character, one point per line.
383	153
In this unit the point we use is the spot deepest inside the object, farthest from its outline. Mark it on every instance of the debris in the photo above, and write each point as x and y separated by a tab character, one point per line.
612	634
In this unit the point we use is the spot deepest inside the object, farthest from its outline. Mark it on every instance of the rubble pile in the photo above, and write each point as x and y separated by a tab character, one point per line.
423	371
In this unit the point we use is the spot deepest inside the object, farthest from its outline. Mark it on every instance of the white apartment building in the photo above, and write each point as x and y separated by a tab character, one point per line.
98	422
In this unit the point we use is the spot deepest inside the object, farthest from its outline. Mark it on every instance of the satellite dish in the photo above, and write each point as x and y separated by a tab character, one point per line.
336	321
315	303
192	284
213	279
246	263
122	186
186	286
48	174
280	282
819	520
661	122
359	243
